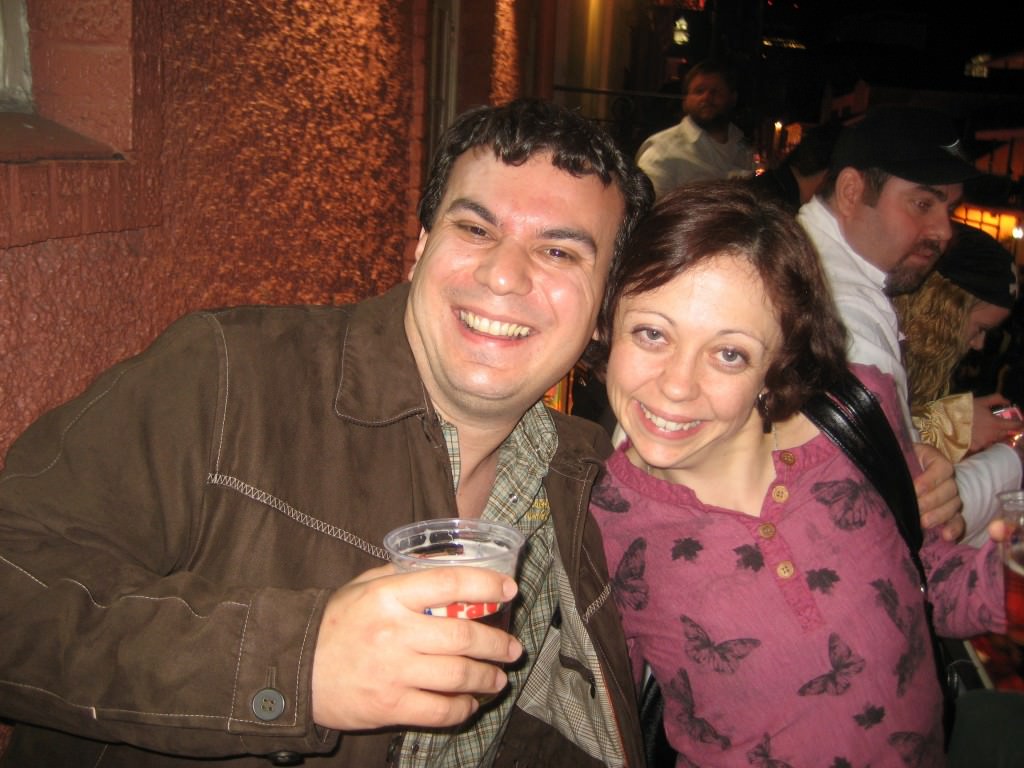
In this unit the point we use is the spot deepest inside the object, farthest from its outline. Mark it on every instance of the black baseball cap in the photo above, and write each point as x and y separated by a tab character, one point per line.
978	263
917	144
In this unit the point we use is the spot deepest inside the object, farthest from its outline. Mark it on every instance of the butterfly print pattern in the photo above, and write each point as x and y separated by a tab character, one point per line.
722	657
845	664
688	549
848	628
944	571
849	501
628	585
909	621
870	717
761	755
915	750
606	496
697	728
822	580
749	558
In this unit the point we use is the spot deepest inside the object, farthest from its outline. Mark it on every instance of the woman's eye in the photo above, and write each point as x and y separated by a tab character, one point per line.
732	356
648	334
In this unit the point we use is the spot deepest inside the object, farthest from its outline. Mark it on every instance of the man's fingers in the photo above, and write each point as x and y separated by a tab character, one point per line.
436	587
434	710
380	660
454	674
955	528
463	637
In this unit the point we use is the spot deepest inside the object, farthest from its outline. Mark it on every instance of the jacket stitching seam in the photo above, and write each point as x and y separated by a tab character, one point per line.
238	665
95	711
268	499
92	599
64	432
227	390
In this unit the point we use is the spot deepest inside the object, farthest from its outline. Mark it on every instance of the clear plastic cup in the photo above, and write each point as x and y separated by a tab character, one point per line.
1011	510
461	542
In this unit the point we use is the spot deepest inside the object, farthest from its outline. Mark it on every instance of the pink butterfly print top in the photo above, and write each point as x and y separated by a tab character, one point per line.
796	638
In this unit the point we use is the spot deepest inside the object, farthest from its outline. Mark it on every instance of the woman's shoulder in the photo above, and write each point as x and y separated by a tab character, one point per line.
883	385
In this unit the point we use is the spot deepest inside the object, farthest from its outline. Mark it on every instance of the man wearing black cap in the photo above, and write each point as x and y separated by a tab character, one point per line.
880	221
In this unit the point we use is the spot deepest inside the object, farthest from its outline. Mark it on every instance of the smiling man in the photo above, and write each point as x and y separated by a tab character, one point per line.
880	222
190	551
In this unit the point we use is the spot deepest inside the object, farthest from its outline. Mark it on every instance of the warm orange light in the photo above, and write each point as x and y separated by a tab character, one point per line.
1000	224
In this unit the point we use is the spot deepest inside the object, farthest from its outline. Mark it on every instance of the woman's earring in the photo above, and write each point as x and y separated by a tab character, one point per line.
762	408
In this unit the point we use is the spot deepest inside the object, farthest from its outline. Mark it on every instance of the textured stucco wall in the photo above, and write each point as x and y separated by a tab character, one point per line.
279	138
286	156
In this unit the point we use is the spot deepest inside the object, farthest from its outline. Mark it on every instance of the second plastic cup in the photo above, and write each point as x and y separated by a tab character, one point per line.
1011	510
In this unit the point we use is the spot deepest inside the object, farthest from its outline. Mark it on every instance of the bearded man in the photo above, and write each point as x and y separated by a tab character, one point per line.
705	144
880	222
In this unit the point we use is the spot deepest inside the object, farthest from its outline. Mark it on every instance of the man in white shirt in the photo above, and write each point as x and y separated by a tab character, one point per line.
880	222
704	144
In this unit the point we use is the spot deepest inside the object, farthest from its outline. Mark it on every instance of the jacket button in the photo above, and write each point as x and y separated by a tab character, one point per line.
780	493
285	758
766	530
268	704
785	570
787	458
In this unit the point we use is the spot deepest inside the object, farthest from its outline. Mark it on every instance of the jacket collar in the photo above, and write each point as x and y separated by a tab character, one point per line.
378	382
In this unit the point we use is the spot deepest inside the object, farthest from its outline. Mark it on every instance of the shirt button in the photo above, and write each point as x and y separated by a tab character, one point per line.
766	530
268	704
780	493
785	570
787	458
285	758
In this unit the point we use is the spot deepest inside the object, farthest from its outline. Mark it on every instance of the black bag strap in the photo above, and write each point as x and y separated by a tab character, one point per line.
853	419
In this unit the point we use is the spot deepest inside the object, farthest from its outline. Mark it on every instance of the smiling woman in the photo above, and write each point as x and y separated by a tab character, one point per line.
757	571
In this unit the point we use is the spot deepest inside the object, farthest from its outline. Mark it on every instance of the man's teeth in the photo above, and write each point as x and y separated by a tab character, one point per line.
668	426
493	327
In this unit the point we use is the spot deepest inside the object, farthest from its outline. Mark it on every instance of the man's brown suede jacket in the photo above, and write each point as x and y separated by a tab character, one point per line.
168	541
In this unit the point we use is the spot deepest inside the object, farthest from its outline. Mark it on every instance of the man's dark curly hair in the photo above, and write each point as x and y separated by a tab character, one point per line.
521	129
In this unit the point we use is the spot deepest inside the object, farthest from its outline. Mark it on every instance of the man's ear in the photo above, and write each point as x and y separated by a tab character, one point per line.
849	191
418	252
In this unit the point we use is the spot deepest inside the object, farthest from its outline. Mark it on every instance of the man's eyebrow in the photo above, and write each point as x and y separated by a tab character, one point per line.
466	204
934	191
557	233
575	235
941	196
